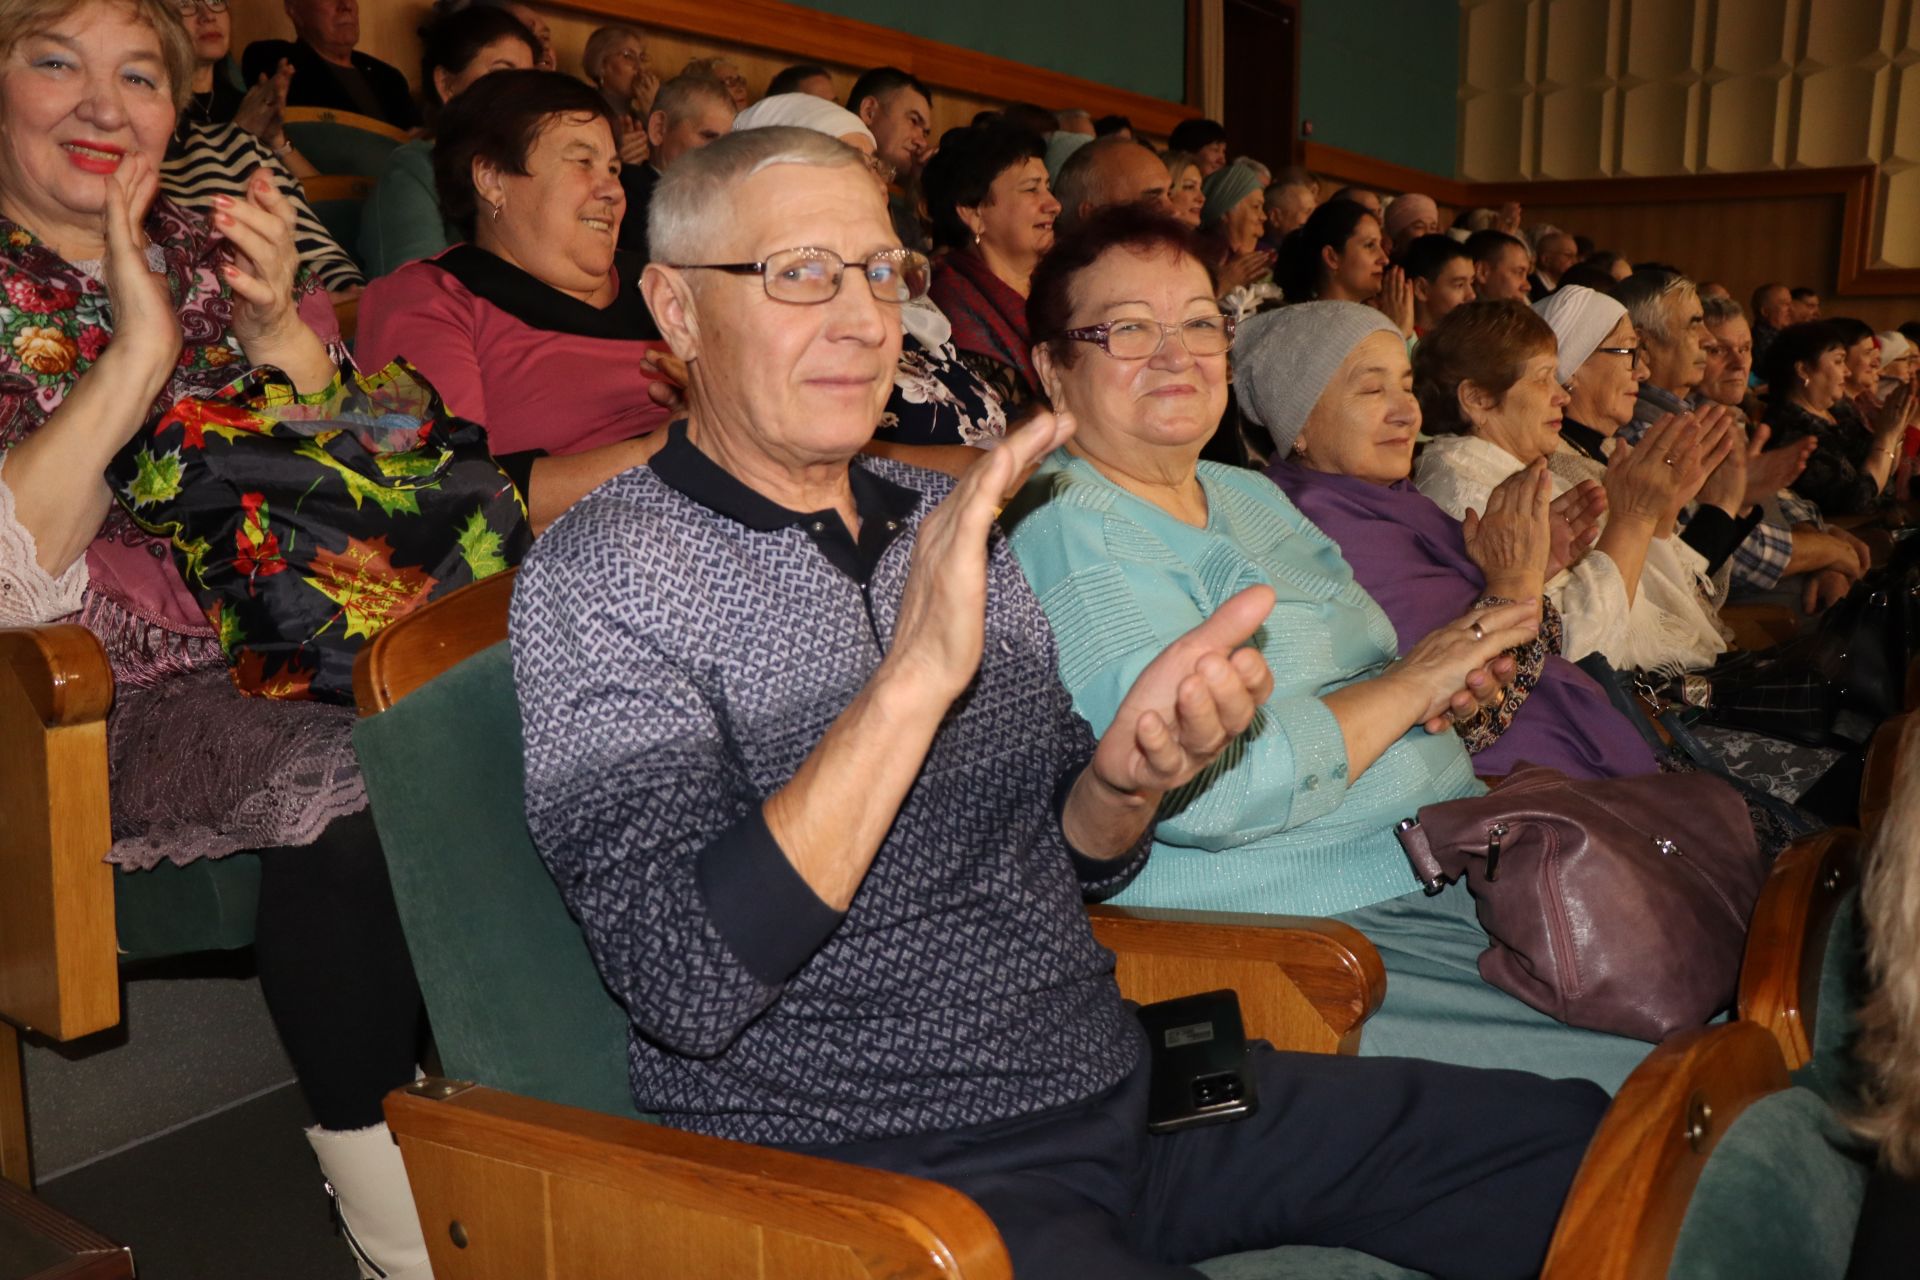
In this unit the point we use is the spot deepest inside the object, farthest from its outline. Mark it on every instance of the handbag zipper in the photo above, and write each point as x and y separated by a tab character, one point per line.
1670	849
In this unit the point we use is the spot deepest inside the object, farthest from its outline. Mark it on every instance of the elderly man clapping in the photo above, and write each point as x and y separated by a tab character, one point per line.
800	759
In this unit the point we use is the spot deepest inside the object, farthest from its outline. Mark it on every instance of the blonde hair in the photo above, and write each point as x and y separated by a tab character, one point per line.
22	18
1889	1043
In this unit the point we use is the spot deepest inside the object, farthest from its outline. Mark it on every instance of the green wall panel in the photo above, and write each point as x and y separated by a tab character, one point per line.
1380	77
1131	44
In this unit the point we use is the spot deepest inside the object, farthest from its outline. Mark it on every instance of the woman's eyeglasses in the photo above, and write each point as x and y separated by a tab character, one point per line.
809	276
1142	339
1638	355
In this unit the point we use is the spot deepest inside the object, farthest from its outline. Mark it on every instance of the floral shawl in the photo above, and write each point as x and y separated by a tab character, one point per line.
989	318
55	320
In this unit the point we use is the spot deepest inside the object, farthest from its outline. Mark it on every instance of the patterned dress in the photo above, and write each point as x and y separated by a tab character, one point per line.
197	769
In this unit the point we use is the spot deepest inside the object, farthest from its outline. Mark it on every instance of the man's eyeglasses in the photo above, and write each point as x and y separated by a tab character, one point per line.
187	7
1638	355
808	276
1142	339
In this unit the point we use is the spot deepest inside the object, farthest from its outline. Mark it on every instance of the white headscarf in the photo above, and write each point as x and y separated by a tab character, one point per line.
1893	346
802	111
1581	320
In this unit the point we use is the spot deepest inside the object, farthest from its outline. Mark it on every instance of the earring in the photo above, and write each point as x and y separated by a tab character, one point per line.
498	207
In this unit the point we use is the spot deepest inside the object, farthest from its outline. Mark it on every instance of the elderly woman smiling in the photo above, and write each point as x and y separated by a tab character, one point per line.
987	193
1129	539
539	309
1492	378
1344	459
118	303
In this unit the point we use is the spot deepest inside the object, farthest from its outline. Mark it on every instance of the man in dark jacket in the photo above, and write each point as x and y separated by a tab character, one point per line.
327	71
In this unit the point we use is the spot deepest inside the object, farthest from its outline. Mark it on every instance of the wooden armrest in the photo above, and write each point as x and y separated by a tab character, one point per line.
1760	626
510	1188
1622	1217
58	968
62	670
1304	983
1787	940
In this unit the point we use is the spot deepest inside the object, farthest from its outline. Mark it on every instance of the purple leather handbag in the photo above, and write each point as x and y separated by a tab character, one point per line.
1620	904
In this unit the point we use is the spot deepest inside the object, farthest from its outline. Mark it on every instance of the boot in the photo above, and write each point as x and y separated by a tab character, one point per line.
373	1202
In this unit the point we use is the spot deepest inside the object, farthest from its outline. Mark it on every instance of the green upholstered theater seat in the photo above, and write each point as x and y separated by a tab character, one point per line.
340	141
511	991
1306	1263
1830	1072
207	905
1779	1199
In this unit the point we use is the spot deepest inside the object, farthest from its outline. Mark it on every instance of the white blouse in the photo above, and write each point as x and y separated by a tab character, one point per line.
29	595
1673	623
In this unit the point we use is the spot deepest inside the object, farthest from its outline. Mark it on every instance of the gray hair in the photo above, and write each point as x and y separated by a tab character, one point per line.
1644	294
679	96
1718	310
1081	179
602	43
695	197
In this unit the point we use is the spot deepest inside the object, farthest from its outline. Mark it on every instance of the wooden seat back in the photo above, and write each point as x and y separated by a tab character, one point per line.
1890	742
1780	974
414	649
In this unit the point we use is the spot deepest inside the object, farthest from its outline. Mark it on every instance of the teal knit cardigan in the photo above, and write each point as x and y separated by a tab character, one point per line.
1276	824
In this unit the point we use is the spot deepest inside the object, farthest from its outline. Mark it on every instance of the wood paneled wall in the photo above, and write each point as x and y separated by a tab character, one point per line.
1800	227
964	83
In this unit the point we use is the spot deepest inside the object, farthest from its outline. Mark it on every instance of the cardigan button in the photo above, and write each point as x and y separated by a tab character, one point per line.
818	526
1313	782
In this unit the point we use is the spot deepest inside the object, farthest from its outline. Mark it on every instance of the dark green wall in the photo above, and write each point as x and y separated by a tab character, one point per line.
1132	44
1380	77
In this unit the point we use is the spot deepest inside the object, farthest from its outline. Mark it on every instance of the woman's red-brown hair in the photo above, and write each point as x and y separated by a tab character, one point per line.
1487	344
1125	226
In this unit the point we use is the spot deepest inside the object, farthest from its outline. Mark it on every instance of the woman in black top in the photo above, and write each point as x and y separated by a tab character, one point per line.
1806	370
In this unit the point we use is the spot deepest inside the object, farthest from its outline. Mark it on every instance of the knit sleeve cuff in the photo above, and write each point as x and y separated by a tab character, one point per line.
1319	757
768	915
1099	877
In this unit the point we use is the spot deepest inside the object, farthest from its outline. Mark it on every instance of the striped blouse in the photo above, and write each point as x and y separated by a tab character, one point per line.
206	160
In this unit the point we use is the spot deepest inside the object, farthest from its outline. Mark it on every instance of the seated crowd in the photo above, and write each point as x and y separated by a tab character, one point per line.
974	525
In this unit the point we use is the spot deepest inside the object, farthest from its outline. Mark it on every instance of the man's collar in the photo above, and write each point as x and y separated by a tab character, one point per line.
1660	399
683	467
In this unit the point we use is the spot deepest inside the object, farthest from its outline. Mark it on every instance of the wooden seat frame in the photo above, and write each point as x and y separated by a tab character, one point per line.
1787	939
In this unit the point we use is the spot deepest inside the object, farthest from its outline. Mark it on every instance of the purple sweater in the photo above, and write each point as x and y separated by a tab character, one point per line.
1412	559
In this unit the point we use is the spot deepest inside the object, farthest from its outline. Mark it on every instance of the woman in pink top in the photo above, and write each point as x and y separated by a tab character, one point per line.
535	327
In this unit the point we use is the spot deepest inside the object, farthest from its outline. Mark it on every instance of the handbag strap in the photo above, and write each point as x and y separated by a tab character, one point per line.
1622	698
1419	850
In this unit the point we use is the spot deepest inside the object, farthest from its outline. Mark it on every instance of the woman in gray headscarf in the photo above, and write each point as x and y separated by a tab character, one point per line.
1232	216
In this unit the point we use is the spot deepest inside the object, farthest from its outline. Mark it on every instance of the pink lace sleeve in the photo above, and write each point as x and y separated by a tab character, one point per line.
29	595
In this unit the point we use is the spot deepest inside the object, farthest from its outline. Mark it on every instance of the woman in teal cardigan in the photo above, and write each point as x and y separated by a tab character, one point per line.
1129	540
